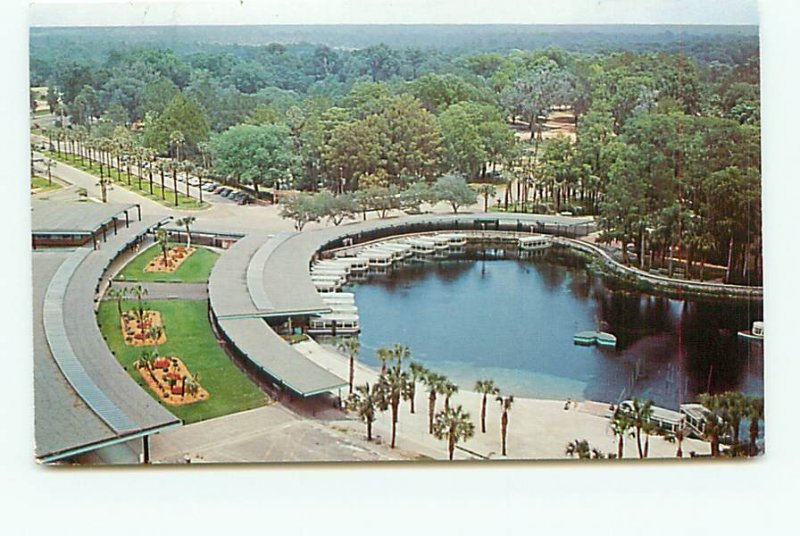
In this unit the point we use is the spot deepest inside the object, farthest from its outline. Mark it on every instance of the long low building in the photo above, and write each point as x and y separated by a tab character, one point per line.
84	400
76	223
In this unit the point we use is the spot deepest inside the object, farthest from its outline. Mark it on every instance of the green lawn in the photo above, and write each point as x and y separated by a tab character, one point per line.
195	269
190	338
121	179
41	184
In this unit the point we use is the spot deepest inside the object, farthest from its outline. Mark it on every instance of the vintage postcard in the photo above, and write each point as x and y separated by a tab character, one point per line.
257	242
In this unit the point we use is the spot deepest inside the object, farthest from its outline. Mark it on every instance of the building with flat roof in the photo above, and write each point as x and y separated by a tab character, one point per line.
76	223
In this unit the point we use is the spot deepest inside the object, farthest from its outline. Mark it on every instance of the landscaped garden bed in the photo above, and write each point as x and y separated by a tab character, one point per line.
194	268
170	379
142	328
176	255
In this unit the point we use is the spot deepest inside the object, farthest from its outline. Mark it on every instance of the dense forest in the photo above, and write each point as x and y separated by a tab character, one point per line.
664	148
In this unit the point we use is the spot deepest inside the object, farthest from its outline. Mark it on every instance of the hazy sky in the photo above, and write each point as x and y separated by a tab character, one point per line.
154	12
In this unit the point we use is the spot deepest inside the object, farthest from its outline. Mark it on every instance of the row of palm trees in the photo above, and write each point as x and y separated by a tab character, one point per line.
120	151
726	411
398	381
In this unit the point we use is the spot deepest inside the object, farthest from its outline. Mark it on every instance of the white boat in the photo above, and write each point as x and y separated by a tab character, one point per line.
755	334
422	247
326	286
339	297
341	279
535	242
354	264
397	254
665	419
454	240
334	324
404	250
339	272
378	259
339	308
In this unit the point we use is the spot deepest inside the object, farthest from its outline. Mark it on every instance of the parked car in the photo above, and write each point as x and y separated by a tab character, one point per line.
237	195
225	192
217	189
194	181
244	200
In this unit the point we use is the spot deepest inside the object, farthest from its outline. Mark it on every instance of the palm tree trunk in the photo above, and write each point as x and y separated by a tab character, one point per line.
394	427
431	407
483	414
639	441
369	431
413	395
620	446
504	431
352	372
175	185
451	446
753	437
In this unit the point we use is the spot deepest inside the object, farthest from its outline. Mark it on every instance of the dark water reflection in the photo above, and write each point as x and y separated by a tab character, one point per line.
513	321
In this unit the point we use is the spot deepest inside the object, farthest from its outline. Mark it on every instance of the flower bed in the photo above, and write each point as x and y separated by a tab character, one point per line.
171	380
140	332
176	255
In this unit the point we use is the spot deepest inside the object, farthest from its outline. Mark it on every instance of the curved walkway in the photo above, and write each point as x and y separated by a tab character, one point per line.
663	282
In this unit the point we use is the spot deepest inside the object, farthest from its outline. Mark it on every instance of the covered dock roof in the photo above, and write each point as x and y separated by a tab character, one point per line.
73	217
266	350
84	398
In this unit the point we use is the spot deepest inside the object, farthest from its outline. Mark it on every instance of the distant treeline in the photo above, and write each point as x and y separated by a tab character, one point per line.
666	151
725	44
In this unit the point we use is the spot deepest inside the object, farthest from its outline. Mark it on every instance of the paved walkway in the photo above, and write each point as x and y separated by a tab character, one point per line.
168	291
268	434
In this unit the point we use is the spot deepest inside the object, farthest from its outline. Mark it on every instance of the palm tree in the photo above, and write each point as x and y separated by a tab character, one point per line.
385	356
715	426
417	373
735	406
173	166
162	166
49	164
391	388
677	436
448	390
118	294
579	448
364	402
582	449
187	224
435	383
486	388
505	403
188	168
103	184
162	238
351	346
640	418
454	426
755	413
621	425
139	292
486	190
401	354
155	333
